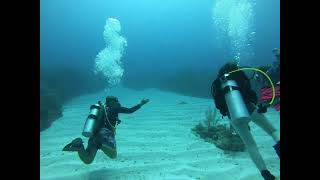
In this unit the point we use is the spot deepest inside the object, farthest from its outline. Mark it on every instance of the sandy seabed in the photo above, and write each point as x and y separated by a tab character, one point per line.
155	142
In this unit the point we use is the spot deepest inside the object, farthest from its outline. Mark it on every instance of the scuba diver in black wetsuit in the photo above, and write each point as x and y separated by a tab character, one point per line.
100	127
234	98
273	72
275	69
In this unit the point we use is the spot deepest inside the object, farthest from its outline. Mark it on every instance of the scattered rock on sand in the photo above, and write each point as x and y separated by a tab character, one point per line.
221	136
182	102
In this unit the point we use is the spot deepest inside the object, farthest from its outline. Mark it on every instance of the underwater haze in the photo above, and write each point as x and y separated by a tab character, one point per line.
163	36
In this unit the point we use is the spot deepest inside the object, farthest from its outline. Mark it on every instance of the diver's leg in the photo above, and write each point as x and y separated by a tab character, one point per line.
88	155
108	143
243	131
263	123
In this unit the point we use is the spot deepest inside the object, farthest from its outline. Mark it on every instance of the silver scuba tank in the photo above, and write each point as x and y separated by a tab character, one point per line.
91	121
237	108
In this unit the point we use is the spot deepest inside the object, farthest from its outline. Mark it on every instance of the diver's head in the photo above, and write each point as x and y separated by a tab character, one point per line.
112	101
276	52
228	67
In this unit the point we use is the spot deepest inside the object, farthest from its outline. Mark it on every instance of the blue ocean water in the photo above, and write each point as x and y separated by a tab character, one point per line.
169	35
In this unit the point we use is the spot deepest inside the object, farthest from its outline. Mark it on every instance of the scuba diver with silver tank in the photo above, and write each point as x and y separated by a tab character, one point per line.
234	98
100	128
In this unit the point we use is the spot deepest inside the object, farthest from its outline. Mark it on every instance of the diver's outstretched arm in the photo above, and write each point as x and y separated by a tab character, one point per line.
134	108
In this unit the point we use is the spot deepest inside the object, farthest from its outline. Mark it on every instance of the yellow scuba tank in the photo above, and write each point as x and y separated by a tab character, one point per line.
92	120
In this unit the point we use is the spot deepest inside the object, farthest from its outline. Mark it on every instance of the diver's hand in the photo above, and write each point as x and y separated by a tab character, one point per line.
100	103
144	101
262	108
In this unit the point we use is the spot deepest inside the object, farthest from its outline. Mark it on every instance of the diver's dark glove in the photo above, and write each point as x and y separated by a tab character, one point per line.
262	108
144	101
118	121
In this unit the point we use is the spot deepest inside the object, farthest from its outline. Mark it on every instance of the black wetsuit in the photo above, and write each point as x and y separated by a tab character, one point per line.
274	72
249	96
104	135
113	114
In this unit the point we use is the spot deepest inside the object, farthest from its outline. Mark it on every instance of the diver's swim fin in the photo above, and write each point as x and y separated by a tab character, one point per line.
75	145
267	175
277	148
